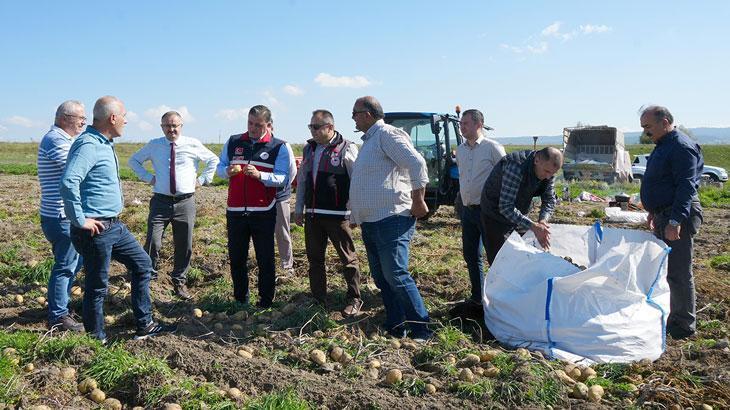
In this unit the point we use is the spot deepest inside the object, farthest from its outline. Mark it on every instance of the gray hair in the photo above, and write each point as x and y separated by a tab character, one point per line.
171	114
551	154
106	106
261	111
325	115
372	105
68	108
660	113
476	115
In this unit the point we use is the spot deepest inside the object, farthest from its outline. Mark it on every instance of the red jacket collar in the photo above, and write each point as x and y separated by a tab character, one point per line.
266	138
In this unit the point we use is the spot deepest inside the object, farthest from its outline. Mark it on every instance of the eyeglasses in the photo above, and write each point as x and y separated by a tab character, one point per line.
358	112
171	125
81	117
316	127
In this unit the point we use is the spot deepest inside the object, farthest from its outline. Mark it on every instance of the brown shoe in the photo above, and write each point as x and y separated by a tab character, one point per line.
67	323
181	291
353	308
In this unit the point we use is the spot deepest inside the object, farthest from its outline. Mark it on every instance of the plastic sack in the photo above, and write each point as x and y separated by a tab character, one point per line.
613	311
615	214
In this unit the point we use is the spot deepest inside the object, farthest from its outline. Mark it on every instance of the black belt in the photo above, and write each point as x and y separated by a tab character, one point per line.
111	219
176	198
474	207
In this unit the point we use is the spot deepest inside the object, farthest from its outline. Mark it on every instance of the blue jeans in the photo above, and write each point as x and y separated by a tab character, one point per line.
66	264
387	243
472	249
114	242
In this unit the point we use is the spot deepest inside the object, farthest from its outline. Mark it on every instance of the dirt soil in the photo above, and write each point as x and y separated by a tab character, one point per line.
691	372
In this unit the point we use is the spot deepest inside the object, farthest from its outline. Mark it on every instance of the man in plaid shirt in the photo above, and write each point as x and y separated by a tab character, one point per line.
508	193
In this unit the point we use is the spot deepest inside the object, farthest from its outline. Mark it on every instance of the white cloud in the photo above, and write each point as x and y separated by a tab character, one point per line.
330	81
132	116
513	49
536	48
539	48
155	113
293	90
145	126
590	29
3	128
19	121
551	30
270	99
232	114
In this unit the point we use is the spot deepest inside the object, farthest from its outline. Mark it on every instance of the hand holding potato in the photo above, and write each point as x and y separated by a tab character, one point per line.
233	170
251	171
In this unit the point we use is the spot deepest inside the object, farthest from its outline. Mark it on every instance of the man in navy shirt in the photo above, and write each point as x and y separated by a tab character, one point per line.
669	194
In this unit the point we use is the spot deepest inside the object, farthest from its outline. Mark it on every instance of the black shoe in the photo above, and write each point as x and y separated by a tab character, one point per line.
181	291
67	323
678	333
263	305
153	329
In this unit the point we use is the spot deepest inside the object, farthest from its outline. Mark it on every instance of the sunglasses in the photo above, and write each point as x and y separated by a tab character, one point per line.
316	127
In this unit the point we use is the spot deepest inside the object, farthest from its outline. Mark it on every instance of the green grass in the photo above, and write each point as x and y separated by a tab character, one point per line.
314	317
60	348
190	394
282	400
721	261
483	389
22	341
113	368
711	196
447	339
219	297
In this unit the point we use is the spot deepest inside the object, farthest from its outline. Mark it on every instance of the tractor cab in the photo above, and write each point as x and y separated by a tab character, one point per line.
435	136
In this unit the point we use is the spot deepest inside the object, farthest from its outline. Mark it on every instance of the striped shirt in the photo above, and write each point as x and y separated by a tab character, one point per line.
52	154
387	169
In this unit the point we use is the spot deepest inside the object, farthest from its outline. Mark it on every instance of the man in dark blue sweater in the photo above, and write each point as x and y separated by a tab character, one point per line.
669	194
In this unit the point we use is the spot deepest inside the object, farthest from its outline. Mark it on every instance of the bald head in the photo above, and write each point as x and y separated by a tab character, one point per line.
366	112
109	116
547	162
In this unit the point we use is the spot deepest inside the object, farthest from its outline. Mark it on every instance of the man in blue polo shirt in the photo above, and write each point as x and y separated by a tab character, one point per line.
669	194
92	198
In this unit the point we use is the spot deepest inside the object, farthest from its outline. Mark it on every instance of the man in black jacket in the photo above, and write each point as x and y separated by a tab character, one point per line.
508	193
323	190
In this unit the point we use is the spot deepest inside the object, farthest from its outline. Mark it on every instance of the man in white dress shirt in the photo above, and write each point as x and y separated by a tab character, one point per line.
175	161
476	157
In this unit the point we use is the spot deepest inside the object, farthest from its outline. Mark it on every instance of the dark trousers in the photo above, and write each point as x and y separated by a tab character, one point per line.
114	242
181	213
682	316
471	248
494	235
317	230
258	226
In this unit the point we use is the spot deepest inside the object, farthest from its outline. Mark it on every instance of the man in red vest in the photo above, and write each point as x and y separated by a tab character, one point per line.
256	164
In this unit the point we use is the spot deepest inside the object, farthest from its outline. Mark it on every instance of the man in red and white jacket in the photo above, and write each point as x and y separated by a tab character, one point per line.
256	164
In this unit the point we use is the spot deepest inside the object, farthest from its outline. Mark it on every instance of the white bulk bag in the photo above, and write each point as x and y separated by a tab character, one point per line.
613	311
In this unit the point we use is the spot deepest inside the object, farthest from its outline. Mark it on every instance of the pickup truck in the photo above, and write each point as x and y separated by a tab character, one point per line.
715	174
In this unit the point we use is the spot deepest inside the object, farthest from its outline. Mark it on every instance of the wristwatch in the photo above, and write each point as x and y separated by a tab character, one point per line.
674	223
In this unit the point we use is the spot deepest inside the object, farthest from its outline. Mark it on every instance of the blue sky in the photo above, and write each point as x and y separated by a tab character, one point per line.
533	67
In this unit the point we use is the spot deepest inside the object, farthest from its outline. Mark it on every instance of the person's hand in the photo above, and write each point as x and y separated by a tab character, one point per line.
251	171
650	221
233	170
93	226
298	218
542	233
671	233
153	180
419	209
